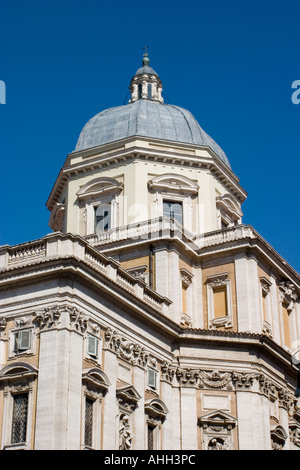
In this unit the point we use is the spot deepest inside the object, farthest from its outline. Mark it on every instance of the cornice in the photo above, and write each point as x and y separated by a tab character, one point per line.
241	239
128	150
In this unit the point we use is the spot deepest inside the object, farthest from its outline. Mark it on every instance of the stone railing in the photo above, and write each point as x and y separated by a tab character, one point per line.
61	246
163	226
26	253
224	236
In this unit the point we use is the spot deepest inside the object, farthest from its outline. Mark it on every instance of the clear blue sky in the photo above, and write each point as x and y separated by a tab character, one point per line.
231	63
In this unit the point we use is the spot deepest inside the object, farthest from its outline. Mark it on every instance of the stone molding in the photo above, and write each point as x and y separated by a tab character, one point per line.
287	294
132	352
167	372
49	317
52	318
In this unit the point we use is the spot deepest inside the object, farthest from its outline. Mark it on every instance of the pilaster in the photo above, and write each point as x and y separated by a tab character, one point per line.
110	406
247	292
60	375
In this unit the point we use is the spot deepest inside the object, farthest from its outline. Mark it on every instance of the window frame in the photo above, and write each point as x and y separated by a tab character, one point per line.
17	332
91	354
15	383
214	282
173	202
150	383
103	206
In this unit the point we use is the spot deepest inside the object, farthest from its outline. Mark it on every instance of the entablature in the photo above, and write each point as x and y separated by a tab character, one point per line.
138	148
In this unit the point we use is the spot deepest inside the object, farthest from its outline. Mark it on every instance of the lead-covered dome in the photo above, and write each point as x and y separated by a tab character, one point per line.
146	115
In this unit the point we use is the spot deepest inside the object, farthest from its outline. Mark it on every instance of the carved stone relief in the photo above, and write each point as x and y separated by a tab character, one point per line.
125	349
125	433
48	318
287	293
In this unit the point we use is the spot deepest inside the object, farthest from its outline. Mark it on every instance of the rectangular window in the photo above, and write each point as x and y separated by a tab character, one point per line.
150	436
19	419
173	210
184	298
264	305
286	325
92	346
22	341
139	91
88	425
102	218
152	375
220	302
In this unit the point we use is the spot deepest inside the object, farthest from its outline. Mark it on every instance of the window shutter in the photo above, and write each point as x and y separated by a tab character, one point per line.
92	346
23	341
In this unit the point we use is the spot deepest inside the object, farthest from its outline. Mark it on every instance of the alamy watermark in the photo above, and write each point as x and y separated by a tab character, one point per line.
2	92
296	94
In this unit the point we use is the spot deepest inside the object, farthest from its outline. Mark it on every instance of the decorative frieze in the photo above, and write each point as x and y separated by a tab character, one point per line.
187	377
215	380
266	387
23	322
77	319
125	349
243	380
49	317
286	399
167	372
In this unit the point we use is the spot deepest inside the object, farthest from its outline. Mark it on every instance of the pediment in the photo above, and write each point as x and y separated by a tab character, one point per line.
99	187
17	370
279	433
97	378
171	182
217	418
229	205
156	408
128	393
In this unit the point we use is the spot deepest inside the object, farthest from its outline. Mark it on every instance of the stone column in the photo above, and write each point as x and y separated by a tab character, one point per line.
58	410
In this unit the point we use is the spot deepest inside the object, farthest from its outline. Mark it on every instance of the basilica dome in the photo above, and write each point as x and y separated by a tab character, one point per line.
146	115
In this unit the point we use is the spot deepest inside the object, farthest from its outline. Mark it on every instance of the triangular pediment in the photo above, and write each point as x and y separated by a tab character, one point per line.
217	417
128	393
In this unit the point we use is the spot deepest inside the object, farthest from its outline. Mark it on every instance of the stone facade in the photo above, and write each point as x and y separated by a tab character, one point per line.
151	318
